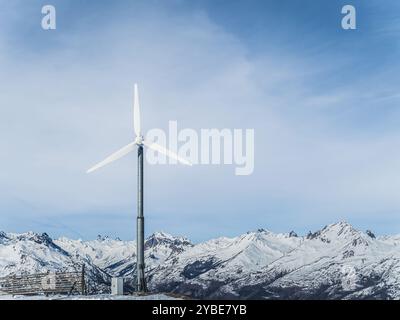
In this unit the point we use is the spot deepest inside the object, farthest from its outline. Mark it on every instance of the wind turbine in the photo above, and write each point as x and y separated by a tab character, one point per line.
139	142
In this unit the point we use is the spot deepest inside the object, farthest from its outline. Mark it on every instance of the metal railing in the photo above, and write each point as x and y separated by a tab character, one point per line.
44	283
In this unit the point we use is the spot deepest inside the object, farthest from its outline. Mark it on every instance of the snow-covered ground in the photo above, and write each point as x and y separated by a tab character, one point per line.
91	297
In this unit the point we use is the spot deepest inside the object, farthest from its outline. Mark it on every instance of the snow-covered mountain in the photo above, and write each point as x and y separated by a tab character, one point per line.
30	253
118	258
337	262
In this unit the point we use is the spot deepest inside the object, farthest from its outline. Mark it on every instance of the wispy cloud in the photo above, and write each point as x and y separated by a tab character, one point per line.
324	149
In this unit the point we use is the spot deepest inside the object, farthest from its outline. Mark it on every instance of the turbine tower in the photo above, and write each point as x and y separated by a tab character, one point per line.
140	143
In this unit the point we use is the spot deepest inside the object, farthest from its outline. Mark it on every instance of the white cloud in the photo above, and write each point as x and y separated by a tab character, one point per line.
66	109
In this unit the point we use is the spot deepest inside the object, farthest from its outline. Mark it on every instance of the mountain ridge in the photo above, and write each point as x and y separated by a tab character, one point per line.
335	262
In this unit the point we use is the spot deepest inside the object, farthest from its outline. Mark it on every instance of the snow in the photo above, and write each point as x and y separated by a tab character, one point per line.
260	259
102	252
91	297
26	253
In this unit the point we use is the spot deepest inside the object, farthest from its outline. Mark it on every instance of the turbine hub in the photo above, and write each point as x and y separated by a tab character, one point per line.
139	140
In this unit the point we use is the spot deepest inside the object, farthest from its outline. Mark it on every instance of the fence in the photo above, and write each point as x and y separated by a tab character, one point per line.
44	283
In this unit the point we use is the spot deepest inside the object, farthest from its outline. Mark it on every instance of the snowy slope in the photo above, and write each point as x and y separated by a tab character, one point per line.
222	260
28	252
102	252
118	258
336	262
31	253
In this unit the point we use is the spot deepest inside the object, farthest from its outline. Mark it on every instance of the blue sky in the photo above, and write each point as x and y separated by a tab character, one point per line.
324	103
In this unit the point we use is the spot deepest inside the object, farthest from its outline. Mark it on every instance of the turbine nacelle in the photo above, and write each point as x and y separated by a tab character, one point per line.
139	140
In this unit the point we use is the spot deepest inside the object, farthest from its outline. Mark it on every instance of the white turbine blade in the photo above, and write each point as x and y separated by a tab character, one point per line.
169	153
136	112
115	156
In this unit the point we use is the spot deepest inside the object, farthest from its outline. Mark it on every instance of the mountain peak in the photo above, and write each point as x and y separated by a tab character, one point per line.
371	234
162	238
43	238
102	238
292	234
260	231
340	228
3	237
335	232
162	235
